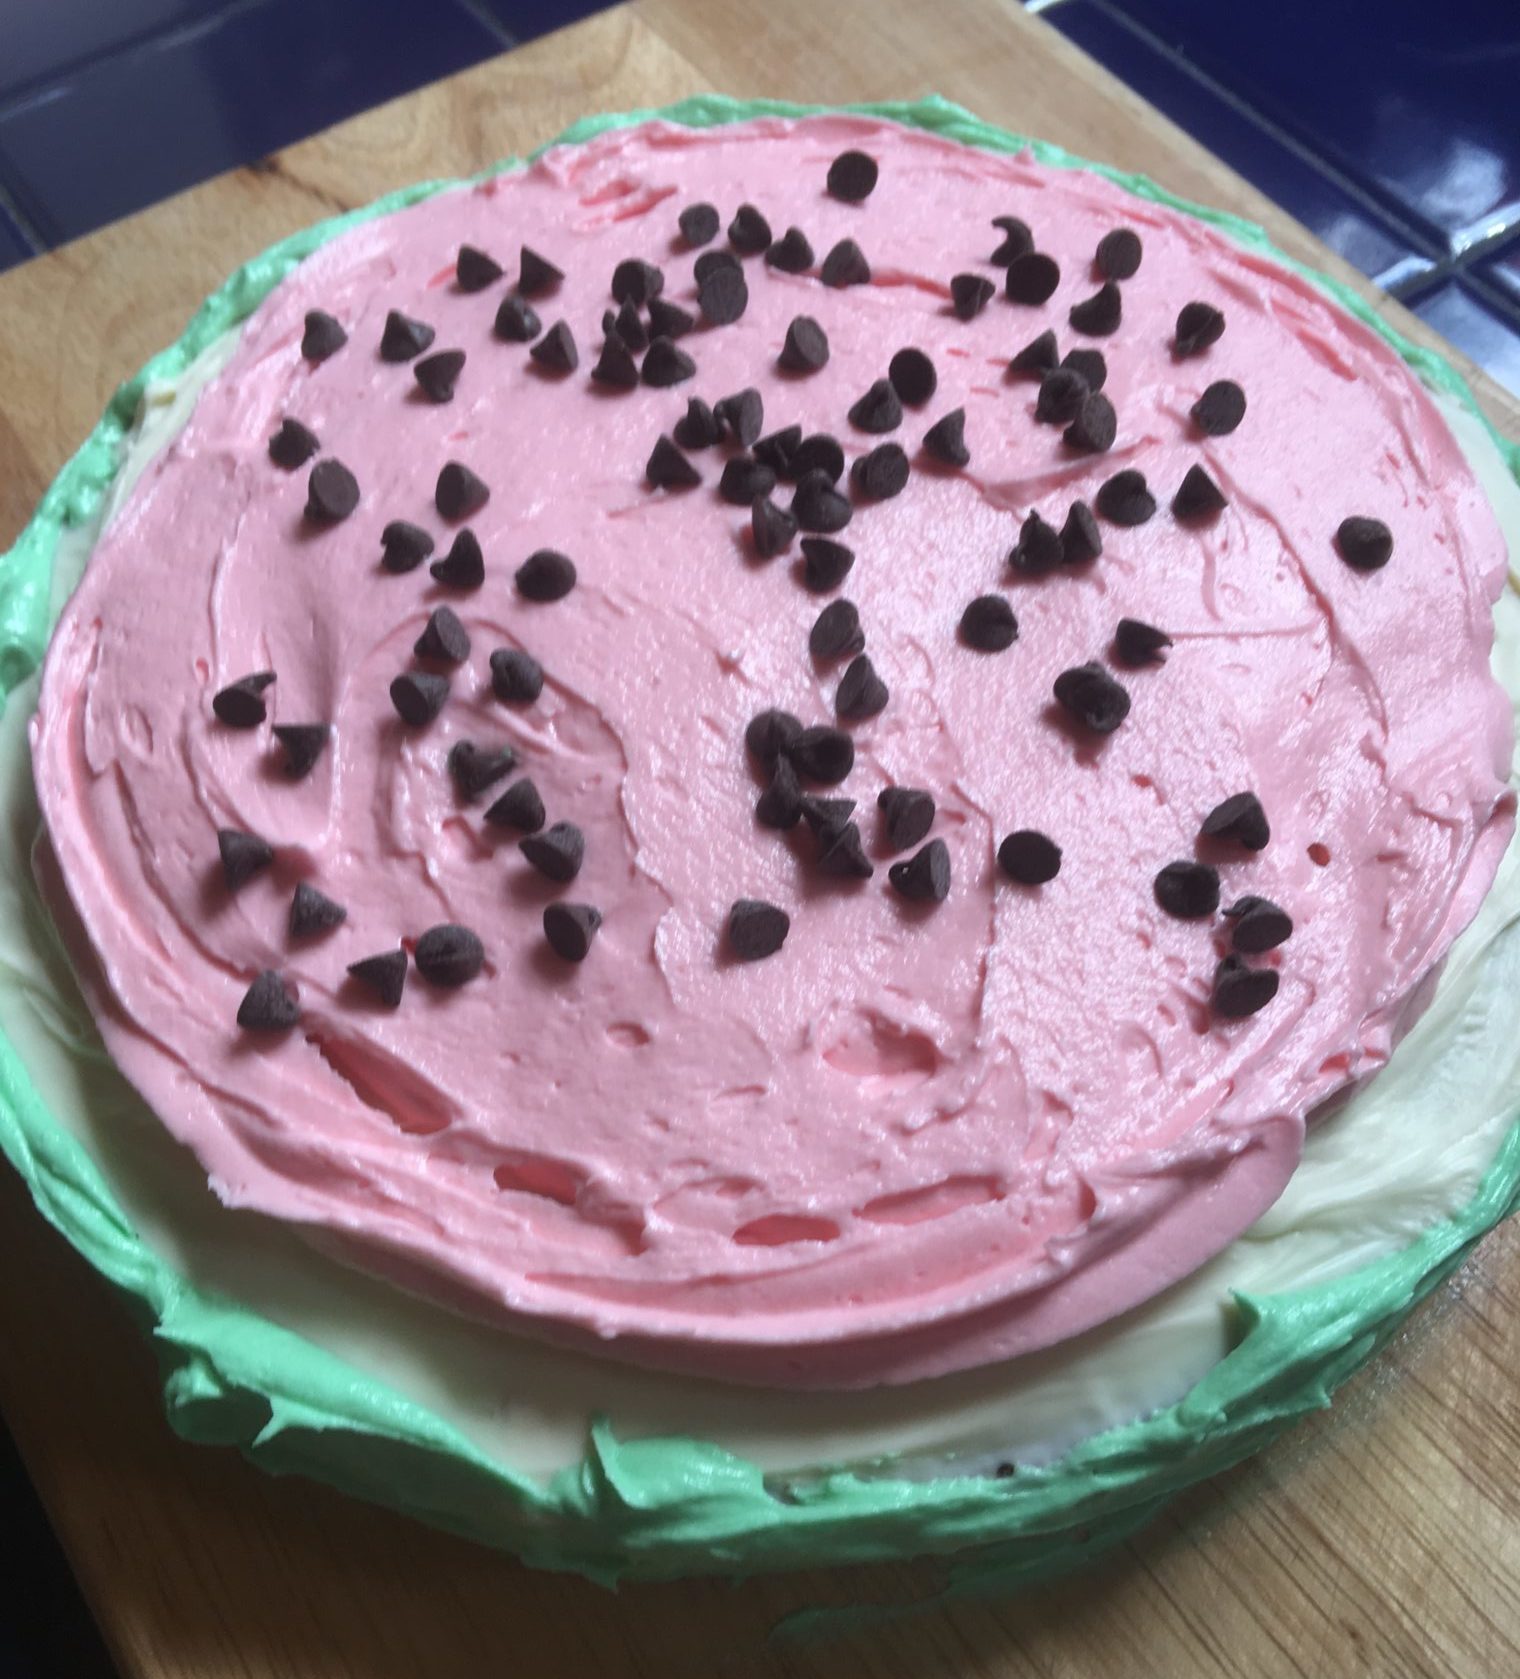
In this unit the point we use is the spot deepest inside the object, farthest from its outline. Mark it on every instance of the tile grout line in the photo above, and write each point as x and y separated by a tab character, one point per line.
23	222
487	19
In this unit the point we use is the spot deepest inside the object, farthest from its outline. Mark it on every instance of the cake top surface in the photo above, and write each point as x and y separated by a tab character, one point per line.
925	1132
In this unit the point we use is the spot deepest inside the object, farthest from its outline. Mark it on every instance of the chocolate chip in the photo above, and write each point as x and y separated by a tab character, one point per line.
907	814
545	576
1198	497
332	493
269	1004
1240	991
1118	254
699	223
988	624
852	177
419	696
1032	278
443	638
464	566
403	547
1220	409
1081	541
313	912
669	320
517	320
666	364
698	427
293	445
770	733
1198	326
459	493
557	852
836	631
1039	356
437	374
1099	315
1062	392
772	527
1239	817
384	975
474	270
711	261
1259	925
743	479
669	469
819	453
474	768
449	955
861	692
723	295
780	805
1137	643
827	817
1124	499
555	352
240	705
625	323
945	440
1039	550
1365	544
1029	857
878	410
756	929
1188	890
844	855
520	807
403	337
570	928
822	754
1090	364
635	282
749	231
323	336
304	743
517	678
615	366
826	564
881	474
1092	698
791	253
845	265
1095	427
1017	240
243	855
806	348
777	450
741	415
912	376
536	274
925	877
970	294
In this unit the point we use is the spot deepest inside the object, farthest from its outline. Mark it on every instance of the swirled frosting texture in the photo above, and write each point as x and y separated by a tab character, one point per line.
984	1128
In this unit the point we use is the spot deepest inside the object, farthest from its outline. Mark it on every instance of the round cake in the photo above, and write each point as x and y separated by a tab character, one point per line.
673	791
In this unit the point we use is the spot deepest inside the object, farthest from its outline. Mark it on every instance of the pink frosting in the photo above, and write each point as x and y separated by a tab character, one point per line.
916	1139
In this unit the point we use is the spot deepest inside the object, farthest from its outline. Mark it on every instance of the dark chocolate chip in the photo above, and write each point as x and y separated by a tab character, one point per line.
743	479
711	261
384	975
464	566
771	733
826	564
907	814
449	955
403	547
304	743
474	270
1032	278
699	223
403	337
1095	427
293	445
517	320
615	366
878	410
269	1005
945	440
723	295
536	275
822	754
669	320
1039	549
819	453
323	336
517	678
1099	315
836	631
852	177
1039	356
1365	544
474	768
626	324
777	450
1198	326
772	527
545	575
1188	890
520	807
1198	497
1081	540
1017	240
555	352
666	364
988	624
1220	409
791	253
1090	364
1258	925
1125	499
1239	817
443	638
749	232
806	348
698	427
1092	698
845	265
1137	643
313	912
332	493
669	469
881	474
459	493
756	930
437	374
1118	254
1240	991
861	692
240	705
970	294
1062	392
925	877
557	852
419	696
780	805
913	377
635	282
844	855
741	416
827	817
1029	857
570	928
243	855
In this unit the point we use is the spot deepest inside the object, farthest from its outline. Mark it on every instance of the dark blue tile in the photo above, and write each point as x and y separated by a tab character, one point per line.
1484	329
1373	243
14	248
524	19
132	129
43	38
1414	100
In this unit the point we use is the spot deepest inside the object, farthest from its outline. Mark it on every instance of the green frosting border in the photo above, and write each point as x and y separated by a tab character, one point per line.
668	1507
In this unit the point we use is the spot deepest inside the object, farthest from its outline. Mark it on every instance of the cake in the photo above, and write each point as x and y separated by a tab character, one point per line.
886	784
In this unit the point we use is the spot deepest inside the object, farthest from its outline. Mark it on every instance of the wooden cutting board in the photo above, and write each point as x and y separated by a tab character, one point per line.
1383	1539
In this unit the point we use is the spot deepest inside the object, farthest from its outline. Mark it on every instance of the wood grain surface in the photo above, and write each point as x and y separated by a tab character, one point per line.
1381	1539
